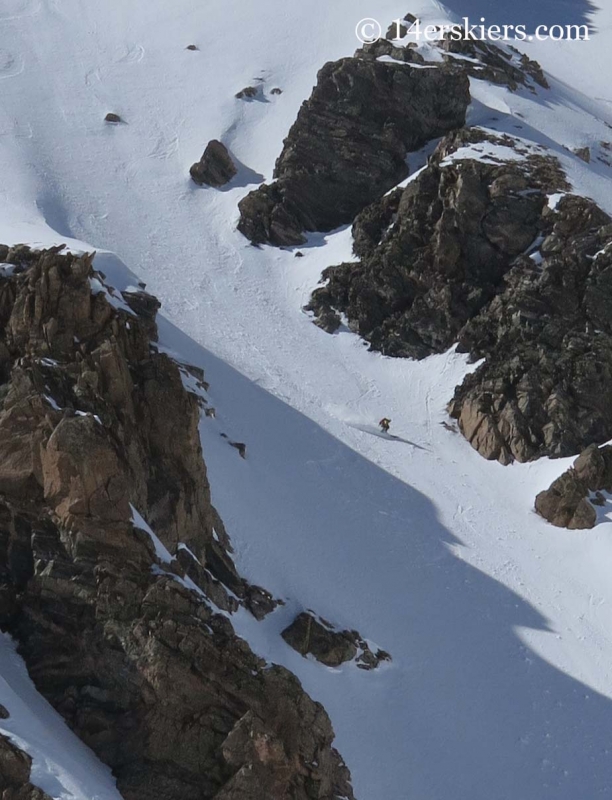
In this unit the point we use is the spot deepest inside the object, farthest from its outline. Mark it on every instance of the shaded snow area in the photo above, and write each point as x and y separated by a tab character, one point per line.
61	764
499	626
160	551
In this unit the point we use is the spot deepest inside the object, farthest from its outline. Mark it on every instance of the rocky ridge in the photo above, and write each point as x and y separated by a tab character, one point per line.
352	138
434	254
349	144
125	628
472	252
546	384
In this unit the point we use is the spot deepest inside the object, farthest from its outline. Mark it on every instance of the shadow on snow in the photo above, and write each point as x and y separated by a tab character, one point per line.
465	710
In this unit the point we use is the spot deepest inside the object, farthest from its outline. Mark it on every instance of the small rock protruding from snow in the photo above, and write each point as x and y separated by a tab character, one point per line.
248	93
311	635
240	447
584	154
113	118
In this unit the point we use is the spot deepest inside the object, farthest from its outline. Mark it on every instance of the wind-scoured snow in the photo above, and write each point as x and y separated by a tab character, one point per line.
499	626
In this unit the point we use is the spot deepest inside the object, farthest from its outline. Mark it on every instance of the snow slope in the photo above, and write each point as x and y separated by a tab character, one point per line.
498	624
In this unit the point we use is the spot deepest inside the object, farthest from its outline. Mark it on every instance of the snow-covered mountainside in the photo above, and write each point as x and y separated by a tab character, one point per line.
497	624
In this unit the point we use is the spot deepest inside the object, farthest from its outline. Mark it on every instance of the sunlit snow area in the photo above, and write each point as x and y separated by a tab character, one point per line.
499	625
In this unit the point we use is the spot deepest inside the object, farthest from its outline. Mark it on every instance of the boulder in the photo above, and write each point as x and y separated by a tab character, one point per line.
267	216
568	502
311	635
215	168
564	504
248	93
584	154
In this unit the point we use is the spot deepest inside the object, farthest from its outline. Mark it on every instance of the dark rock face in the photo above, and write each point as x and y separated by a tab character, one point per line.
471	253
349	143
111	117
267	216
546	386
310	635
15	767
434	254
566	503
124	641
215	168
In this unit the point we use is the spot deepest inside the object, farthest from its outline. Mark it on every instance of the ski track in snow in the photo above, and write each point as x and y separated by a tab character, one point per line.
499	625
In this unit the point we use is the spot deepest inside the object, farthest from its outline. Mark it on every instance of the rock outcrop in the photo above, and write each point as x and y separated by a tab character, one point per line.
124	627
215	168
471	252
349	144
352	137
486	61
15	768
546	385
504	66
571	499
434	254
248	93
311	635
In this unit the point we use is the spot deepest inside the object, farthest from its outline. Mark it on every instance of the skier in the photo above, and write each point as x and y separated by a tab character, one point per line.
385	424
